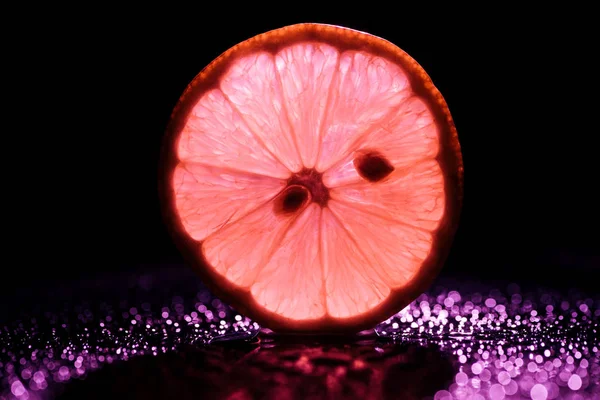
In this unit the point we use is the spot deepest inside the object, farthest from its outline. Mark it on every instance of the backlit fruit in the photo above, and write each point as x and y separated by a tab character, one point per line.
313	177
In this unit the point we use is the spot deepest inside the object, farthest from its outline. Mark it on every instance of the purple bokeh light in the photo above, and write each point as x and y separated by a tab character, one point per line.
505	348
506	344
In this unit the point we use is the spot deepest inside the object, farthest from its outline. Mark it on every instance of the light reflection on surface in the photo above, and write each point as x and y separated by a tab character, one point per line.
508	344
497	343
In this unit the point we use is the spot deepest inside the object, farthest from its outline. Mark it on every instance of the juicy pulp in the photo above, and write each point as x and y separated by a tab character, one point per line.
310	106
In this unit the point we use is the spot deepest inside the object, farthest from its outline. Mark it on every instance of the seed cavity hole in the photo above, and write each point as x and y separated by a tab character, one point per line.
292	199
373	166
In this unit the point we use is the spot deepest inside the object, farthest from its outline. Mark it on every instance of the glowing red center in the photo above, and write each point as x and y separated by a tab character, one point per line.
303	187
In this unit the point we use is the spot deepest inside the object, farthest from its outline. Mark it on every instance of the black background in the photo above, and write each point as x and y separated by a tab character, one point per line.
95	89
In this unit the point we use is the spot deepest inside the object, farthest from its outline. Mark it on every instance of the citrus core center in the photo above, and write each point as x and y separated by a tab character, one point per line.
302	187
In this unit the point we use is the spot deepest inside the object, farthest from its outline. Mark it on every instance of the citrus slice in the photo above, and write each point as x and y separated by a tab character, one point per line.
313	176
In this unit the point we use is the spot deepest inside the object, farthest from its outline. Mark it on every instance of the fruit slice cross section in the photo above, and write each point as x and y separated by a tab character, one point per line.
315	176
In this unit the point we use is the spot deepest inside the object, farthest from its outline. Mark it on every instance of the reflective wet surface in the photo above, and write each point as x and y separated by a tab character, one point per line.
163	335
269	370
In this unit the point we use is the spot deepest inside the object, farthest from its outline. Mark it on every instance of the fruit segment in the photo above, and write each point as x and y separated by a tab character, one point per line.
241	249
412	196
209	198
215	134
291	282
252	85
395	251
405	137
306	72
365	91
352	283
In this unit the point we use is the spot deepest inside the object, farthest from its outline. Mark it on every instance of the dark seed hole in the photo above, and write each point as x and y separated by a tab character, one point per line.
373	166
292	199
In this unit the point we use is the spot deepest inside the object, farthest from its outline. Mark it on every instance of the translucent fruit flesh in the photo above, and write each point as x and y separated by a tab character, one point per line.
310	178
